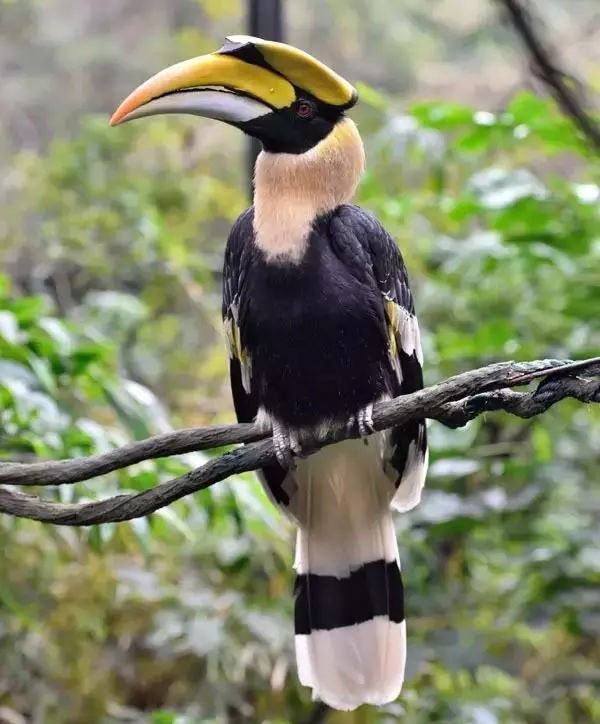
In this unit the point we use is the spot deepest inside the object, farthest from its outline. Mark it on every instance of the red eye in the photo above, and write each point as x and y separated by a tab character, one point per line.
304	109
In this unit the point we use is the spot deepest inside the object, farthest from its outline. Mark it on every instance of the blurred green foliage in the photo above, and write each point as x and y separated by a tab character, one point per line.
130	212
76	604
109	331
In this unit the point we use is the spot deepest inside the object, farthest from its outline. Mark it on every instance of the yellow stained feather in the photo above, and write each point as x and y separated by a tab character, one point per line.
393	315
237	351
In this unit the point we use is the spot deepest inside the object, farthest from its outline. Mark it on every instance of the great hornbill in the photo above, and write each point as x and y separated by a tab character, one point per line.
320	323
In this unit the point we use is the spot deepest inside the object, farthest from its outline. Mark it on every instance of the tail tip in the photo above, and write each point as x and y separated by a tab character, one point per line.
354	665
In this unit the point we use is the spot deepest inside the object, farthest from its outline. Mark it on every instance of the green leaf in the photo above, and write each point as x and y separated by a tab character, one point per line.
9	327
27	309
84	356
372	97
43	372
527	108
176	522
4	286
443	116
59	333
542	444
164	717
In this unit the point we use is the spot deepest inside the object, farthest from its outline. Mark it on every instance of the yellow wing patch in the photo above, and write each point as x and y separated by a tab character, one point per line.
403	330
237	351
393	316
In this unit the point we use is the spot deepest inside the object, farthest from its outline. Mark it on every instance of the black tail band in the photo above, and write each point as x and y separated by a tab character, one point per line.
327	602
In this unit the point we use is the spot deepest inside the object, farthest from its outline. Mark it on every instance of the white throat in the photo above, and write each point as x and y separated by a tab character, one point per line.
291	190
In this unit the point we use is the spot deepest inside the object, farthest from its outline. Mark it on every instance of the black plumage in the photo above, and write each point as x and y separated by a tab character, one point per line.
317	333
331	608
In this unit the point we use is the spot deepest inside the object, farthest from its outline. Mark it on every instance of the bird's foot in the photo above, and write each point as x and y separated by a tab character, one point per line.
286	444
363	422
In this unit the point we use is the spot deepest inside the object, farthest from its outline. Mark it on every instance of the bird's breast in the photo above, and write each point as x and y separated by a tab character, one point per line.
315	338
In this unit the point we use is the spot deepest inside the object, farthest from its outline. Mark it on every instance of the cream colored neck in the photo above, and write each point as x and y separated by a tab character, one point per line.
291	190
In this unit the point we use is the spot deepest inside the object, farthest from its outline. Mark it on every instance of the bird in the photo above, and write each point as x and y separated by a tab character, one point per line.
320	324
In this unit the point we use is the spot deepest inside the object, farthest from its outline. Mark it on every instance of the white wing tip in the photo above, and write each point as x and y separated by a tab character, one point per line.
408	495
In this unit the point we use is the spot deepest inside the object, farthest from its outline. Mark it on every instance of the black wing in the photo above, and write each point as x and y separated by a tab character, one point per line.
238	260
367	249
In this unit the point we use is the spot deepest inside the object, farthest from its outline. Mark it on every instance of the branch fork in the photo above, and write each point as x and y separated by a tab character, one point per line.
453	402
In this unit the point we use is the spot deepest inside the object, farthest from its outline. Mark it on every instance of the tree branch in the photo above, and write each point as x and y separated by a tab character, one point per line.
543	64
452	402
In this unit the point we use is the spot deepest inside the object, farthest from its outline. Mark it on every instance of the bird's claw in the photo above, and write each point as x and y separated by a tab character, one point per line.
286	444
362	422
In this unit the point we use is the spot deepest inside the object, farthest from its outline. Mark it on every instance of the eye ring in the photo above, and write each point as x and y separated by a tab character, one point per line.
305	109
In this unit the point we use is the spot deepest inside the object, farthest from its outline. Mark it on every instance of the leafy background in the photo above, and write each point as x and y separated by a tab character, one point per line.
111	243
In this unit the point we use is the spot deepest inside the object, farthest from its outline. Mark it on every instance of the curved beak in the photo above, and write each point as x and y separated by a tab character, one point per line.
216	86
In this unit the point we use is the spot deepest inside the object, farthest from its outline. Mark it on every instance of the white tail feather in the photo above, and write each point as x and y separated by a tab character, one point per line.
345	667
342	505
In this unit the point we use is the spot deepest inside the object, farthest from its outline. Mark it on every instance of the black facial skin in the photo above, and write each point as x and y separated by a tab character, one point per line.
288	130
295	129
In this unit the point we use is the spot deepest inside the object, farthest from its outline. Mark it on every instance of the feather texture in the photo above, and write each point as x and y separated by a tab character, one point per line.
412	481
347	668
350	632
313	340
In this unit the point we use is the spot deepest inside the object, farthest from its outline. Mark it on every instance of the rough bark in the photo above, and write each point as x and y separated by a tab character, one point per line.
452	402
